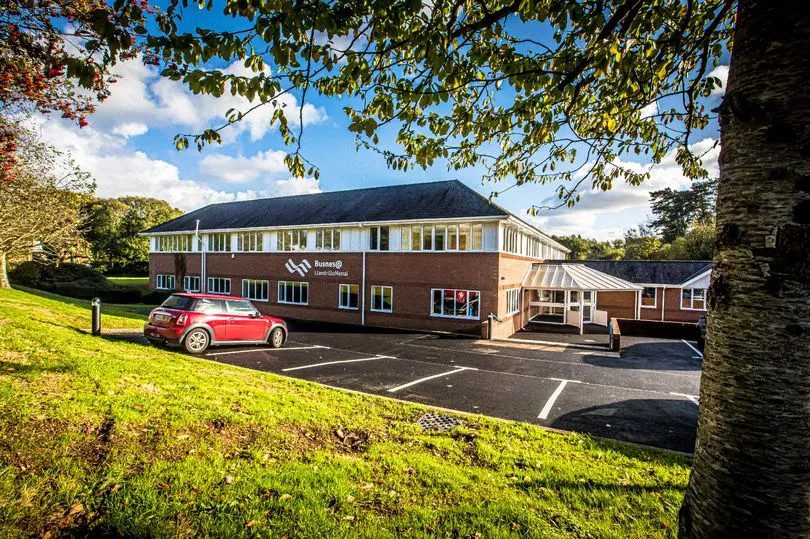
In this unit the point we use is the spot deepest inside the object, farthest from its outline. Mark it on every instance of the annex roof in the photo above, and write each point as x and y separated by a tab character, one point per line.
674	272
434	200
573	277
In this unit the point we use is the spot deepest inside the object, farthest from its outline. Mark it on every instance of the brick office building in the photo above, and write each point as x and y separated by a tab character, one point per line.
434	256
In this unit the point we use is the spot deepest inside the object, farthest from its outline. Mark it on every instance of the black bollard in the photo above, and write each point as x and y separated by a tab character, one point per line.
95	307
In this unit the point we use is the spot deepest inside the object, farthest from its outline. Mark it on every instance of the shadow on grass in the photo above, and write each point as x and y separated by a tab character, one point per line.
135	311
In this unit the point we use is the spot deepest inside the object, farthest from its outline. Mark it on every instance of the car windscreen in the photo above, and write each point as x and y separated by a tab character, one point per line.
181	303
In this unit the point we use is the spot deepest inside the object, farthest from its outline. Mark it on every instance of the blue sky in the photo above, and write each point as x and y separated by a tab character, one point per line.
128	149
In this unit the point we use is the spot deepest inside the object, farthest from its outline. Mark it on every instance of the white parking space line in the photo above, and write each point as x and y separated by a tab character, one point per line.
323	364
553	398
425	379
694	398
695	350
267	350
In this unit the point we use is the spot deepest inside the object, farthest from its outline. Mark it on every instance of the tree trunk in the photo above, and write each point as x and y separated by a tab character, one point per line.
751	472
4	282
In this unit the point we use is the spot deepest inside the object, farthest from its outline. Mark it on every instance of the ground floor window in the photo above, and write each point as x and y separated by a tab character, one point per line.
294	292
382	299
219	285
165	282
455	303
693	299
191	283
255	289
512	300
649	296
348	297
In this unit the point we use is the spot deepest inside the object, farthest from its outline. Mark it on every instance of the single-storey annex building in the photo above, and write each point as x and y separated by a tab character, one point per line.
430	256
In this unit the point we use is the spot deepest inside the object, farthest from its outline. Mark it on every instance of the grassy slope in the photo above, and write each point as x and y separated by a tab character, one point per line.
98	435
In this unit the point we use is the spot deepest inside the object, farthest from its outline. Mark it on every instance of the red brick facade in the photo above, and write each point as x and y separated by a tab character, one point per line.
669	299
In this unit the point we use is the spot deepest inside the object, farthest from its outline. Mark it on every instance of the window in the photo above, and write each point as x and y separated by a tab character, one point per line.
327	239
512	300
241	307
381	299
348	297
649	296
464	237
255	289
416	238
427	238
219	285
552	296
292	240
455	303
439	237
443	237
210	306
295	293
181	303
191	283
378	238
248	242
405	243
174	243
164	282
219	243
693	299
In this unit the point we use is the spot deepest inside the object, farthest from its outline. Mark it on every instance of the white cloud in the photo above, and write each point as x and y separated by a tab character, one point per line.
607	214
721	72
120	170
128	130
649	110
142	96
240	169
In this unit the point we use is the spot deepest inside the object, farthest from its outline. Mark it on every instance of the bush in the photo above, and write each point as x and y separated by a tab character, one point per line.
156	297
72	280
26	273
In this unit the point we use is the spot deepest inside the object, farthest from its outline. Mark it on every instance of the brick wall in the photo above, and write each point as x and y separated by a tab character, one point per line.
619	304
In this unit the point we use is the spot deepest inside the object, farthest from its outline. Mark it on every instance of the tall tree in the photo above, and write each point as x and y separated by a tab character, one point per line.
40	208
676	210
564	90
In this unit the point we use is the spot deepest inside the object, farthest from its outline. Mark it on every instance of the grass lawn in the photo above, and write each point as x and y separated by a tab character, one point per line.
131	282
101	436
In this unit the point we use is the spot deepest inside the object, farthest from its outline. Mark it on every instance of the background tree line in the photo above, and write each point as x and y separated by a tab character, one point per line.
682	227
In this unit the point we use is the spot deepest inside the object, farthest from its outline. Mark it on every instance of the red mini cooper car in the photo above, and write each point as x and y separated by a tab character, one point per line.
197	321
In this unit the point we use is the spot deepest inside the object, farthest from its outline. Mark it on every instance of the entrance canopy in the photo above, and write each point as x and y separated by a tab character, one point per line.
574	277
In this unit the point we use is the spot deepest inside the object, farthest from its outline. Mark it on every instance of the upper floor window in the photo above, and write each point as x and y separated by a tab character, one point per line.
441	237
292	240
693	299
327	239
250	242
174	243
378	238
219	243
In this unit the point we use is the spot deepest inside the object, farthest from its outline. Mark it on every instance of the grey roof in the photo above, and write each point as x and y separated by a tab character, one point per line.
573	277
434	200
672	272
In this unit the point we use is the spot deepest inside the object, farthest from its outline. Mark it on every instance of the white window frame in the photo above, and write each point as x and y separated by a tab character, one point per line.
379	289
655	298
348	289
457	316
301	286
327	239
250	242
187	279
164	281
216	246
512	301
692	299
250	287
292	240
174	243
219	281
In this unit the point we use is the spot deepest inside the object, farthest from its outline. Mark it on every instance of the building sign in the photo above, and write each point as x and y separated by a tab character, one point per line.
322	268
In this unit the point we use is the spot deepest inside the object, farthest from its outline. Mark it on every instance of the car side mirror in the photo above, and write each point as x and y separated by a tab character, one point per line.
256	314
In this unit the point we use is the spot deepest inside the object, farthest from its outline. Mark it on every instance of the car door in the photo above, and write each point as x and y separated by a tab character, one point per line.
214	315
243	325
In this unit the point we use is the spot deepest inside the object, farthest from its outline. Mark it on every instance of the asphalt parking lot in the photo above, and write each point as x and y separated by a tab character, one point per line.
647	394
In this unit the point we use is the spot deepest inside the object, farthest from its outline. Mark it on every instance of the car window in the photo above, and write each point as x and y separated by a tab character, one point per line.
211	306
181	303
242	307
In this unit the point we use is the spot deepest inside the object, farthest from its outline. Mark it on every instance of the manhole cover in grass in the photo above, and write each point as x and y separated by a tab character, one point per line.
431	421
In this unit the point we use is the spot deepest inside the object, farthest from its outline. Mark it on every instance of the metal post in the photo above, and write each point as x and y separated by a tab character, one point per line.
95	308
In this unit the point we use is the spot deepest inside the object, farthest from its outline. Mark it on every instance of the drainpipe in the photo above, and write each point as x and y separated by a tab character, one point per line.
201	243
363	286
663	301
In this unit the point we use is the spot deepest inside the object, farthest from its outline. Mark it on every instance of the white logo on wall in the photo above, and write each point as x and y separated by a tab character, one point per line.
301	268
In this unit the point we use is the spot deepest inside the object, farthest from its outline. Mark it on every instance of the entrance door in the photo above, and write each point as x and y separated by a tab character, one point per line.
587	305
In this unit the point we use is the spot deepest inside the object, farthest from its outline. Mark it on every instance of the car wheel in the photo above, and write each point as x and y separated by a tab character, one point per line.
276	338
196	342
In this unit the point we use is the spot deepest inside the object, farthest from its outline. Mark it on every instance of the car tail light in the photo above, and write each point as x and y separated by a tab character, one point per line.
182	319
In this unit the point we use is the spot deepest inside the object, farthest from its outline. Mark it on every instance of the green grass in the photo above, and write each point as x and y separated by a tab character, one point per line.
141	283
111	313
104	436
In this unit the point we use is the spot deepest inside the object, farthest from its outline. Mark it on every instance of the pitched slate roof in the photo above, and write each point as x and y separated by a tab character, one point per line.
573	276
672	272
434	200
